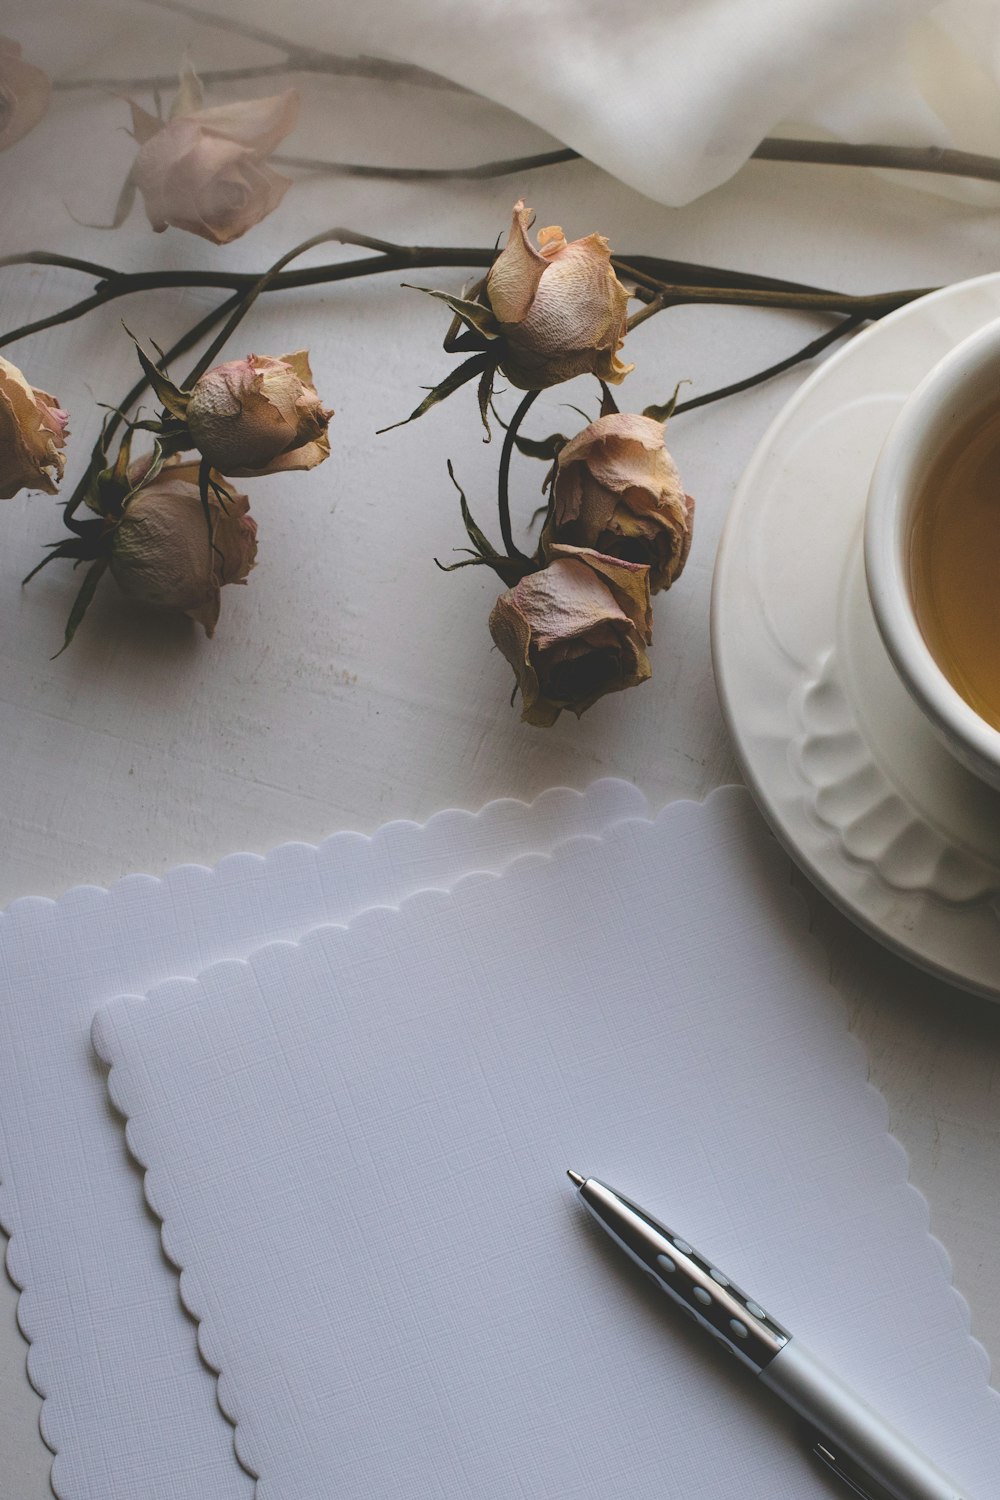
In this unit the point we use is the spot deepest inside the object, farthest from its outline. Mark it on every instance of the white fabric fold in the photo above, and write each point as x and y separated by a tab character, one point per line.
672	96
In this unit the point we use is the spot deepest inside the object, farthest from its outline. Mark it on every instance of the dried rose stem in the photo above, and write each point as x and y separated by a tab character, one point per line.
409	256
67	315
503	477
115	419
744	289
939	160
160	81
665	293
816	346
114	284
247	300
737	288
234	309
479	173
184	343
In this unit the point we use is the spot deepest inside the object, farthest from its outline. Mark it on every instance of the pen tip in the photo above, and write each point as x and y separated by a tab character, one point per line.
575	1177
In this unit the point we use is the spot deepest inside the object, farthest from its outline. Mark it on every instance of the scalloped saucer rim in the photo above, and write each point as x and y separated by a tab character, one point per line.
850	777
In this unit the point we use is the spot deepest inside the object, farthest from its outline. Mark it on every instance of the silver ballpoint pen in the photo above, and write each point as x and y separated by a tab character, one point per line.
874	1460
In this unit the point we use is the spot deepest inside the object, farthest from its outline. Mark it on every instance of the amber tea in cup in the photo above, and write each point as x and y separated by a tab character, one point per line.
955	562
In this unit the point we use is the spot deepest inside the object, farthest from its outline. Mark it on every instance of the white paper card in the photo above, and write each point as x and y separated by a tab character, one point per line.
130	1410
357	1146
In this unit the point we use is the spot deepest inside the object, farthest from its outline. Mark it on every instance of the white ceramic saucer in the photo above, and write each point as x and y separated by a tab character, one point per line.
844	767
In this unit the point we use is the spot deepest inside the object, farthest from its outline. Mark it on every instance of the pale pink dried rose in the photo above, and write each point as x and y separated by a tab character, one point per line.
561	308
259	415
616	488
33	431
575	631
162	553
205	170
24	94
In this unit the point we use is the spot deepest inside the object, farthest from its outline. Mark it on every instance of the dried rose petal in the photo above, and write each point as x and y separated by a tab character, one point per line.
617	489
162	555
205	169
561	308
259	415
575	631
33	431
24	94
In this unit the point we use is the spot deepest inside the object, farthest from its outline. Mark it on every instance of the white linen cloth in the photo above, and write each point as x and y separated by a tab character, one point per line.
672	96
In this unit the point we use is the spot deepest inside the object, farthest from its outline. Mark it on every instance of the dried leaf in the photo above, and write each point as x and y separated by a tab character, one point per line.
83	600
190	94
609	406
172	398
144	125
70	548
544	448
451	383
665	412
474	314
485	394
509	570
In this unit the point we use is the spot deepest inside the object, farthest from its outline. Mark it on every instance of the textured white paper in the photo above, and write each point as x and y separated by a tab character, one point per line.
130	1410
357	1147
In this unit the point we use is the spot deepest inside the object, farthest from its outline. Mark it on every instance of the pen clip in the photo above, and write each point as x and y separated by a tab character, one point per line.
849	1473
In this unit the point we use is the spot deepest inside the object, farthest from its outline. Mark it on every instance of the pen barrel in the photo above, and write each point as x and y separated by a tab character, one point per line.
852	1430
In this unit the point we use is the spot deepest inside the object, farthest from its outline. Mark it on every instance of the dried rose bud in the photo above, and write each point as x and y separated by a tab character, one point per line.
161	553
205	170
24	94
32	434
259	416
617	489
561	308
575	631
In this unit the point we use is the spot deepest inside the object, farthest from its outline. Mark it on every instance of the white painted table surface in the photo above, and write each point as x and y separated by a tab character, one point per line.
352	682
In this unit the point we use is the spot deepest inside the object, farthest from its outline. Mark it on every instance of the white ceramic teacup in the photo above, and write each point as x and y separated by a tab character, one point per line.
960	387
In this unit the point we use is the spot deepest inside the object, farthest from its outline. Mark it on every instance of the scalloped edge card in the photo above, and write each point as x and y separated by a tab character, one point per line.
357	1146
129	1408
